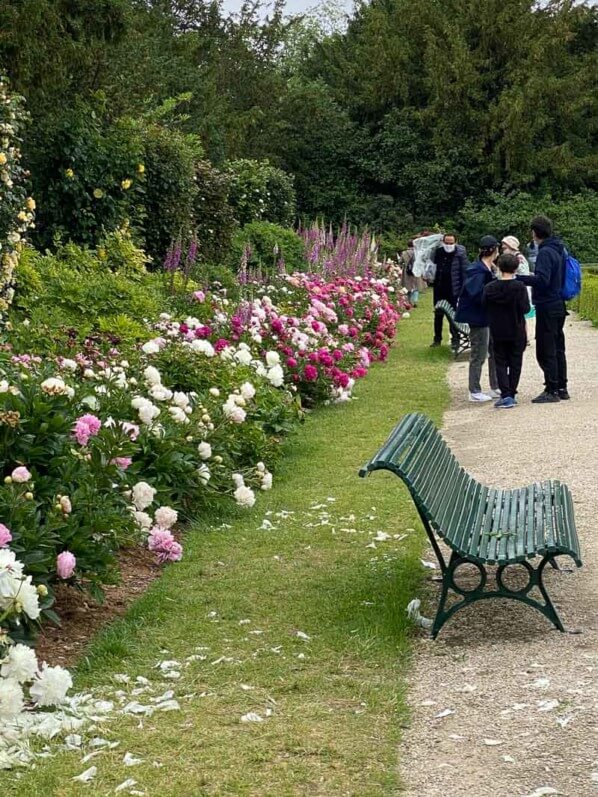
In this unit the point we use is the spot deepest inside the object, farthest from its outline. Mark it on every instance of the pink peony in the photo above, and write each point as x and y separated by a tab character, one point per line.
291	362
5	535
122	462
85	427
65	564
199	296
163	544
20	475
131	429
310	373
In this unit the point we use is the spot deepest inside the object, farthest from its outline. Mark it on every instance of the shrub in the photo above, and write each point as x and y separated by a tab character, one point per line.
16	208
587	303
90	178
214	219
269	248
261	192
170	188
574	217
81	291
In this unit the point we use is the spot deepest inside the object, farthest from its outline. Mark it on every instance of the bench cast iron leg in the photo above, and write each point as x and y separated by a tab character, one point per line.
502	591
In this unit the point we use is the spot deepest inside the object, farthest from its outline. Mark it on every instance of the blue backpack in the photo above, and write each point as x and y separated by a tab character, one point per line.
571	277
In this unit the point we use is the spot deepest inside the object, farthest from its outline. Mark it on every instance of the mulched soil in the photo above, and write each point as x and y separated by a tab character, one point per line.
81	617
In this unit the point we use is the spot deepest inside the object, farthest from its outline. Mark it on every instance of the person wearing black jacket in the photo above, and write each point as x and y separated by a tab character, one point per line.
546	283
506	302
451	261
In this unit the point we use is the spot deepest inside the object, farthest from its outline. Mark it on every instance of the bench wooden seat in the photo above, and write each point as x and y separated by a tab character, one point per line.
459	332
481	525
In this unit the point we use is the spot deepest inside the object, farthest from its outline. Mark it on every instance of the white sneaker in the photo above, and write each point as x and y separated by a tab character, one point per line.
479	398
495	394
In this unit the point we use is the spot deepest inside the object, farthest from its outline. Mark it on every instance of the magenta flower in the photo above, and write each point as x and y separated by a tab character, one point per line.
291	362
5	535
20	475
65	564
310	373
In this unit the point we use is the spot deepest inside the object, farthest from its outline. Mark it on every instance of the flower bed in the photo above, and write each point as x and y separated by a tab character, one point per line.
99	451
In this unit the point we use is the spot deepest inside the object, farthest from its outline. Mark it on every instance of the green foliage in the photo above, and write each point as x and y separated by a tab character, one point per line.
88	176
269	244
214	220
574	217
261	192
85	291
170	188
587	304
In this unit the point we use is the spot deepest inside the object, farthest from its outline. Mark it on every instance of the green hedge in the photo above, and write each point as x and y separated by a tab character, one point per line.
587	304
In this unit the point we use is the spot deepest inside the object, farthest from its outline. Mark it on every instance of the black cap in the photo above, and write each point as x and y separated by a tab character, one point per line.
488	242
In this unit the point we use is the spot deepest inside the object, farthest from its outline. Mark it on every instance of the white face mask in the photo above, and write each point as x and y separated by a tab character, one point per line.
449	247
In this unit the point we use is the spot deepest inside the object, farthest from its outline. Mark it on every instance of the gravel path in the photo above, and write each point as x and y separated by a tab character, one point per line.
524	697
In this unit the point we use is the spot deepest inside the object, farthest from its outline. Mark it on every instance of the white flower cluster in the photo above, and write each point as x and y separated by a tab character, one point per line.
244	496
55	386
264	476
17	593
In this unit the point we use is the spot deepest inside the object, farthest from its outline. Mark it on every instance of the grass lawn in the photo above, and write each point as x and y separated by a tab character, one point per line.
332	703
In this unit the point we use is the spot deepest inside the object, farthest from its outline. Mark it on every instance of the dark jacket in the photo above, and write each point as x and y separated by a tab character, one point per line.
547	280
469	309
506	303
450	273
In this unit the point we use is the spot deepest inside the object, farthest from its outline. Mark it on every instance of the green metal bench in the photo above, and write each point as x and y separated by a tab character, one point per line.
459	332
481	525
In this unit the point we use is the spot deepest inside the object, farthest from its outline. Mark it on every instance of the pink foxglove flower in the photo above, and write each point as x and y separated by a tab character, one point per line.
20	475
5	535
65	564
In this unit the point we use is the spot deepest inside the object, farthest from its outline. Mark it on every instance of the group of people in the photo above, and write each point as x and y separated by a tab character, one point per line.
491	296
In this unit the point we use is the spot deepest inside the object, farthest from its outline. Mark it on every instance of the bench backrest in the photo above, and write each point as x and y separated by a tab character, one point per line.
417	453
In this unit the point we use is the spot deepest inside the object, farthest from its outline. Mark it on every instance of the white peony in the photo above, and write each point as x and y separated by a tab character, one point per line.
203	347
233	412
243	356
205	450
244	496
51	686
214	392
238	479
204	473
144	521
151	347
165	517
272	358
267	481
143	495
11	698
152	375
70	365
160	393
178	415
247	390
17	592
20	664
276	375
181	399
147	412
54	386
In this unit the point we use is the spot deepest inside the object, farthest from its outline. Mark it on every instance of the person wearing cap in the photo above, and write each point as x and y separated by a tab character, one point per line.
510	246
470	310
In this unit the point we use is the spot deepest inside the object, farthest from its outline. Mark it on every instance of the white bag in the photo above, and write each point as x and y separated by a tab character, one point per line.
422	264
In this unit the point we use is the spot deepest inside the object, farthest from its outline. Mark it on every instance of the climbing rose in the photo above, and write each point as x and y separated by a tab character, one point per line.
65	564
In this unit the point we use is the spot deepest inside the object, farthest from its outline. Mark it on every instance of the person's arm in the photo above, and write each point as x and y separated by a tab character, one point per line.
541	276
524	304
458	267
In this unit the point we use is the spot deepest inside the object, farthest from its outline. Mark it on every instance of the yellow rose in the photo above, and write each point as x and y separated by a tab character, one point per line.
3	159
30	203
69	173
98	193
126	184
140	168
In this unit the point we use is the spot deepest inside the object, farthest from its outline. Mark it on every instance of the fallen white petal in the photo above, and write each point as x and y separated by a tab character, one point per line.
251	717
468	688
429	565
168	705
509	759
382	536
446	713
86	776
302	635
564	721
130	761
492	742
543	791
126	784
540	683
547	705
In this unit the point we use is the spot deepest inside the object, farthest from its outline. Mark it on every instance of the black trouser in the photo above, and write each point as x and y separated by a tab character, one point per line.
550	348
508	357
439	317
